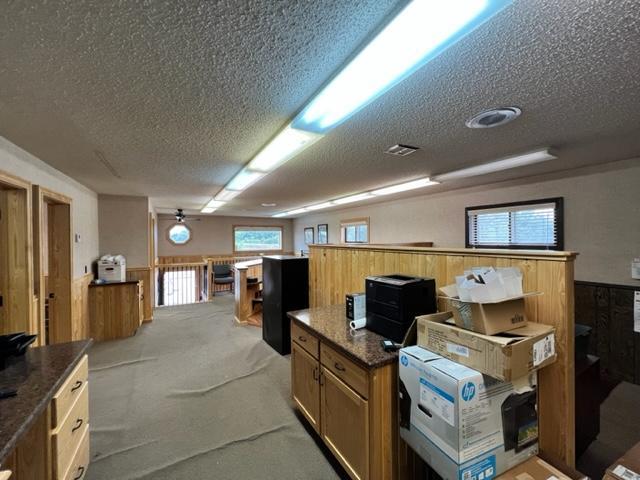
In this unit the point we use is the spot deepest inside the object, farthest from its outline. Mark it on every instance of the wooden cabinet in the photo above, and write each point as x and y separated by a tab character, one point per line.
352	407
305	388
116	310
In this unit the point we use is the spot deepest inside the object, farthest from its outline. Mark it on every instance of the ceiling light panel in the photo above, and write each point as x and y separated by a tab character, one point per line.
320	206
285	145
353	198
208	210
420	32
227	195
213	203
244	179
507	163
403	187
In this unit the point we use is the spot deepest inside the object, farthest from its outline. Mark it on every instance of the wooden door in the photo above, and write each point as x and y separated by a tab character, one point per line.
345	424
59	284
305	387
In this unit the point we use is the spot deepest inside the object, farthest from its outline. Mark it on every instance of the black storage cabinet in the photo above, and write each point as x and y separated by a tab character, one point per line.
285	287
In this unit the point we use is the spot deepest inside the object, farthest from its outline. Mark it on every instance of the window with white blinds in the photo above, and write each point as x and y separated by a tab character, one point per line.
536	224
355	230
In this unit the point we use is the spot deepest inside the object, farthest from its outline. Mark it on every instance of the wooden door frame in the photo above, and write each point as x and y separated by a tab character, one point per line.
42	195
12	182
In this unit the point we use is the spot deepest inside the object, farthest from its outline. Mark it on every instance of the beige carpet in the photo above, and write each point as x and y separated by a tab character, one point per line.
194	396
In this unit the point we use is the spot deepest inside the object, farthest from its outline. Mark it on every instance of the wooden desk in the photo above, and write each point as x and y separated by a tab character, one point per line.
44	430
245	292
345	385
115	309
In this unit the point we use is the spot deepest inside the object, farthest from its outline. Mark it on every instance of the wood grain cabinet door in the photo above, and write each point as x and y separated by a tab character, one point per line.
345	424
305	386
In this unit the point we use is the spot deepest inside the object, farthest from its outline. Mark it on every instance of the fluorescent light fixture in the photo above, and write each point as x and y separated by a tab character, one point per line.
353	198
244	179
278	215
403	187
320	206
285	145
507	163
208	210
297	211
419	33
213	203
226	195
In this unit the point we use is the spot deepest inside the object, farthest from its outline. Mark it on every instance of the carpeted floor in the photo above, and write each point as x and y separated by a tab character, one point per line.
193	396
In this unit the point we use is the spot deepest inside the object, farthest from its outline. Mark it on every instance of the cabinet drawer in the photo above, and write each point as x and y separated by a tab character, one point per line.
80	462
67	437
69	392
305	339
346	370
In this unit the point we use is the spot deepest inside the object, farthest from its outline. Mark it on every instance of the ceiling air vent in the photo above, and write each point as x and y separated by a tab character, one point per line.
401	150
494	117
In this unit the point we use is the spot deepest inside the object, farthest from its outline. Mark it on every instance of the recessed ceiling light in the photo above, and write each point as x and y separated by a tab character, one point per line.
208	210
268	204
213	203
244	179
494	117
225	194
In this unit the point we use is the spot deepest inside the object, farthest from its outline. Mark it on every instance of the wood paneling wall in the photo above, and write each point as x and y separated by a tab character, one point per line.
608	310
80	307
146	274
336	270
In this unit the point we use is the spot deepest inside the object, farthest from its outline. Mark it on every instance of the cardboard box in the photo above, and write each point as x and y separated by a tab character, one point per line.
488	317
465	425
536	468
505	356
627	467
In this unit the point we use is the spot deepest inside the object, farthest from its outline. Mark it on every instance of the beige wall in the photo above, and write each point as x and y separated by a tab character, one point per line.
124	228
601	214
214	234
20	163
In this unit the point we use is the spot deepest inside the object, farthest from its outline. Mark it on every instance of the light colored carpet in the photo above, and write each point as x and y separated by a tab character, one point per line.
619	430
193	396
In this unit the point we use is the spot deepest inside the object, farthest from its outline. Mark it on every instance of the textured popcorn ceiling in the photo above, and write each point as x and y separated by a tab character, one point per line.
169	98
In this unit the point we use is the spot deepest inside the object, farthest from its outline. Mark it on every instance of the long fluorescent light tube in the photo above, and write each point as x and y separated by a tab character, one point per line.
529	158
297	211
320	206
226	195
278	215
403	187
419	33
244	179
208	210
213	203
285	145
352	198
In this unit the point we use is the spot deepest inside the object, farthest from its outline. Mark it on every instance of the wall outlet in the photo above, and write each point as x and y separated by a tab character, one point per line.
78	238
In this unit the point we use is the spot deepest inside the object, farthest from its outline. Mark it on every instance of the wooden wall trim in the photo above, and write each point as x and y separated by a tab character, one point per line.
336	271
550	255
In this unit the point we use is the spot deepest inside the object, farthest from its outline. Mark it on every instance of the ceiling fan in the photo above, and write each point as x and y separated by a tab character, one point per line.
181	217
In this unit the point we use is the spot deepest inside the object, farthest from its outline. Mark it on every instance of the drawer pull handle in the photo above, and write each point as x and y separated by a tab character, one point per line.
78	384
316	377
79	423
80	473
301	338
339	367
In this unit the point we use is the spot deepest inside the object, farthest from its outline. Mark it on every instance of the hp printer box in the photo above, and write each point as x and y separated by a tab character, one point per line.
466	426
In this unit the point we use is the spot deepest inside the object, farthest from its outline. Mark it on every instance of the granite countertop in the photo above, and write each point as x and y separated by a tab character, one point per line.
331	324
37	376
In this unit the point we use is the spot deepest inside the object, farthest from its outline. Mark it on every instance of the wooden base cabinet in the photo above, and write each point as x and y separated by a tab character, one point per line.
353	408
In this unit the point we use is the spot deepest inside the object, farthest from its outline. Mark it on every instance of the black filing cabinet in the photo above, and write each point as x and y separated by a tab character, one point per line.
285	287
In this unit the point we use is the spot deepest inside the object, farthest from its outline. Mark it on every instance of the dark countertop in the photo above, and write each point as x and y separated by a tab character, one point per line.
330	324
107	284
37	377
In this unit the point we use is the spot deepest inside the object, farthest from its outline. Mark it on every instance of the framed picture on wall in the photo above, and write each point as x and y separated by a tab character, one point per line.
323	233
308	235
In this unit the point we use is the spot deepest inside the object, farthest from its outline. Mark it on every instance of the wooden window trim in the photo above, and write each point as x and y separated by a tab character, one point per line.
256	252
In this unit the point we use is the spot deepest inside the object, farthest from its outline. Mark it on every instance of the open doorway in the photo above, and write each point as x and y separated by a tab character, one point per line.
53	265
16	298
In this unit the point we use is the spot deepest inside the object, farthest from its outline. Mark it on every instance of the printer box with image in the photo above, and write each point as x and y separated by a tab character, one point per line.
505	356
465	425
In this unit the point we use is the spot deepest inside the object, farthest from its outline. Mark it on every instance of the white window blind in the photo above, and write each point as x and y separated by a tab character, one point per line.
518	225
355	231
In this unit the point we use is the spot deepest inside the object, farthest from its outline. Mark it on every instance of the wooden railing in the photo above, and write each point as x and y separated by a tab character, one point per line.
182	283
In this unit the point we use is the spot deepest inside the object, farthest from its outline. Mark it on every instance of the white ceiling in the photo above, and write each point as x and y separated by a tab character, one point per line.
177	96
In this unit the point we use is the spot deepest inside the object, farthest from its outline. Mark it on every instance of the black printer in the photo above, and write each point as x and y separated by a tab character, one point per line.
393	302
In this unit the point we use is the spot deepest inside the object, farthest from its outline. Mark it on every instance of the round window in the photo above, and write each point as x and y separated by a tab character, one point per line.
179	234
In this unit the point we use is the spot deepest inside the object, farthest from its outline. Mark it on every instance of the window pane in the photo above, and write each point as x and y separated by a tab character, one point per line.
179	234
492	228
534	227
361	235
252	240
350	233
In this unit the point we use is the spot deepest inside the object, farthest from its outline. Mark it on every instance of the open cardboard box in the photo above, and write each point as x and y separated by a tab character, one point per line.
535	468
488	318
507	356
626	467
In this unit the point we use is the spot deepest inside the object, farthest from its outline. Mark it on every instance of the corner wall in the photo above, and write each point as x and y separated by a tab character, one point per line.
601	216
